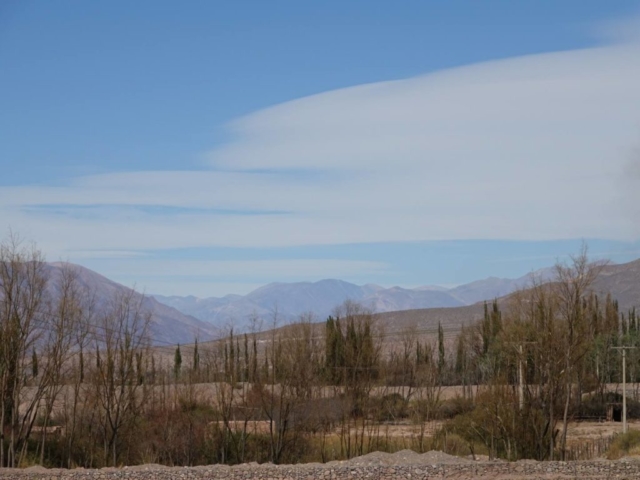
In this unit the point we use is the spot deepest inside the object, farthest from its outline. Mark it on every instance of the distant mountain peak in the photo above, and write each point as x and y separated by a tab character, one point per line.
321	297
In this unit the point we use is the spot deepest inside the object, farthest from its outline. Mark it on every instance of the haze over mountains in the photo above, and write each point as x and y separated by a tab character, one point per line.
293	299
180	319
622	281
168	325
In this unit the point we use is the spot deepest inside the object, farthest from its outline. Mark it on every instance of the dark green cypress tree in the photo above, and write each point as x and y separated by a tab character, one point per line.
246	359
441	352
335	350
232	357
226	362
496	320
81	365
153	370
254	364
461	357
265	373
139	371
196	357
34	364
177	362
238	364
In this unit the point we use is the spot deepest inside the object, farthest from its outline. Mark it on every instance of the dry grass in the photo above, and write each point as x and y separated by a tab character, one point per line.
624	445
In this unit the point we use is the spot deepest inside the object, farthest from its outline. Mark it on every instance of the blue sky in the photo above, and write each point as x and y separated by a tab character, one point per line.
211	147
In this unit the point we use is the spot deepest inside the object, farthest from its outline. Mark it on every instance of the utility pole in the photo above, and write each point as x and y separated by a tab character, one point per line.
624	386
624	390
520	379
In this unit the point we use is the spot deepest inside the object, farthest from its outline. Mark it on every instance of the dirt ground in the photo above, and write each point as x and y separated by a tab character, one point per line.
580	431
577	431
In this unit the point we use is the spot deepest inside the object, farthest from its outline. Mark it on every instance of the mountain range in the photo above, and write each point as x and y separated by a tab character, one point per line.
178	319
168	325
291	300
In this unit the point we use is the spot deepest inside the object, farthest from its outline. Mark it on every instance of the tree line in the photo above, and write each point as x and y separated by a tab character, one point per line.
83	385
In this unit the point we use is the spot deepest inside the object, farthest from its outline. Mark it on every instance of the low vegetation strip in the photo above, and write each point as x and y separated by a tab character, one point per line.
374	466
80	385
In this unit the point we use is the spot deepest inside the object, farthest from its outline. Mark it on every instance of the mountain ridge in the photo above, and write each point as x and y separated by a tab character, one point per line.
168	324
289	300
180	319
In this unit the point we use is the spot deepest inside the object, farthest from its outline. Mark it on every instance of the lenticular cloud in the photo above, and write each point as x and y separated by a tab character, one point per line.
512	149
530	148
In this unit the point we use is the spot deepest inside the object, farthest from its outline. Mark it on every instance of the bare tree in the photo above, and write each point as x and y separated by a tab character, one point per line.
23	279
572	284
121	340
77	391
61	341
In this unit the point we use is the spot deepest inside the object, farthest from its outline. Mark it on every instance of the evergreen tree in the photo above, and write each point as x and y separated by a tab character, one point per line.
265	372
226	361
334	350
461	354
196	357
177	362
238	370
139	369
232	357
34	364
153	369
246	358
81	365
254	363
441	352
491	326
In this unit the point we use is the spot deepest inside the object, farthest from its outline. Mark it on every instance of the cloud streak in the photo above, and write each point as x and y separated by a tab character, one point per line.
530	148
219	277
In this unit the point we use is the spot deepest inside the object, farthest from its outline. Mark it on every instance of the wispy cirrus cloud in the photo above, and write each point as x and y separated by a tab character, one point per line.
525	148
301	269
206	278
107	254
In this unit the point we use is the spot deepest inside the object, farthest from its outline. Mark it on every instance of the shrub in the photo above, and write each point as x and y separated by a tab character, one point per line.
453	407
391	407
625	444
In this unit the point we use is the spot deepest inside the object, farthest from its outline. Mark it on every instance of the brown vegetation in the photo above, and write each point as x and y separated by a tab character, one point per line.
82	385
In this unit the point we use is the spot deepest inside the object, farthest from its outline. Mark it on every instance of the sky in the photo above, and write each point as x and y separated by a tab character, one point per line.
207	148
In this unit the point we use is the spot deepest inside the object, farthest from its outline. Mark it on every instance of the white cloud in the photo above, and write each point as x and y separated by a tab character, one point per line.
286	268
106	254
619	31
200	289
205	278
525	148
